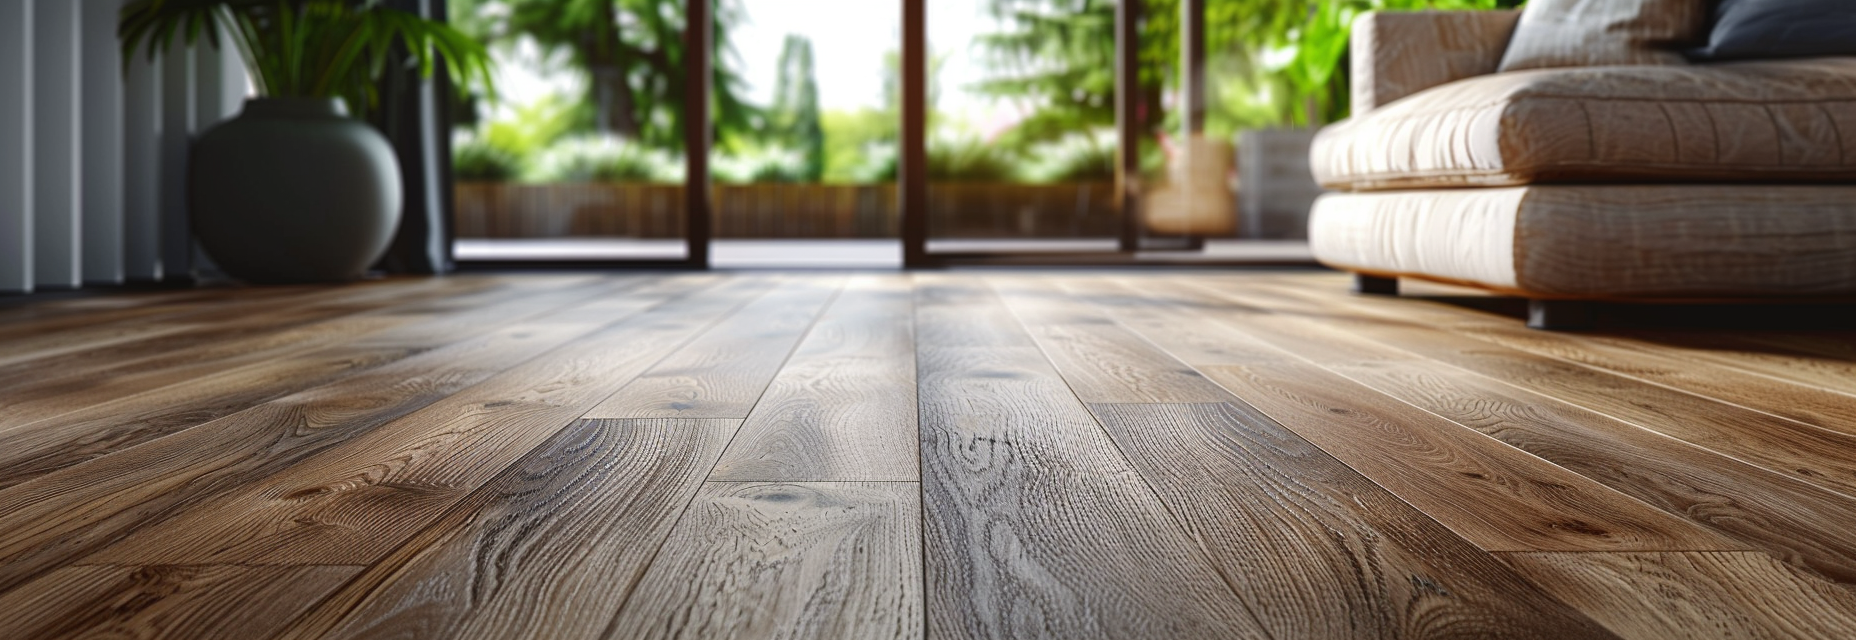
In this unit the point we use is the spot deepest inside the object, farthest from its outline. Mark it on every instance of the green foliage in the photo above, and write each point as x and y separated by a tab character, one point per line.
1079	157
860	146
307	48
761	163
1317	44
955	157
794	117
1058	55
632	52
476	160
603	158
535	126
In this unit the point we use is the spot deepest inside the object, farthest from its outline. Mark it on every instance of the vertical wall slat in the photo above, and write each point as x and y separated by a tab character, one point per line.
102	154
177	116
141	168
57	226
16	145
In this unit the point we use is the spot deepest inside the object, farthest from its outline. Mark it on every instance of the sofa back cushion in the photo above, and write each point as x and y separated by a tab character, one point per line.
1746	29
1599	33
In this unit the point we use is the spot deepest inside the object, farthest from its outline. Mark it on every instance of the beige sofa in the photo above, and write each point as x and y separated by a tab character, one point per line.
1709	181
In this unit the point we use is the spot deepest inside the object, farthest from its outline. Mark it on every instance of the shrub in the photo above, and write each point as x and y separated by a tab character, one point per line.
474	160
762	164
967	158
602	159
1078	157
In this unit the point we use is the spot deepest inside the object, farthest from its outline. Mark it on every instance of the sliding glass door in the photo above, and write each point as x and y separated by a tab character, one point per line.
582	157
863	133
806	126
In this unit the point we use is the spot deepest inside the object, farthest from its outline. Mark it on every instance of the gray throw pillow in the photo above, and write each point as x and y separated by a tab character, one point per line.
1599	33
1745	29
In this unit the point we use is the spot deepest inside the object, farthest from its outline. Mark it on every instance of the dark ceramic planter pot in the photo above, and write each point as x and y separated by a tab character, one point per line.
293	190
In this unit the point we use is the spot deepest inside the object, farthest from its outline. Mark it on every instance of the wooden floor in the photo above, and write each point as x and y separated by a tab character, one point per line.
947	455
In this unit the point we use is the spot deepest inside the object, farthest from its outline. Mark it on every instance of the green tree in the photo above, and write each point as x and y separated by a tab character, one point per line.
1058	56
632	52
794	117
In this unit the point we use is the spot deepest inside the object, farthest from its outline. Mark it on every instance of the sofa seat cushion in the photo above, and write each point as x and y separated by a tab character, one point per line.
1601	241
1756	121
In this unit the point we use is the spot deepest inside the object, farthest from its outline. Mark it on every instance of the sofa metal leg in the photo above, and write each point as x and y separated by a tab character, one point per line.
1559	315
1374	285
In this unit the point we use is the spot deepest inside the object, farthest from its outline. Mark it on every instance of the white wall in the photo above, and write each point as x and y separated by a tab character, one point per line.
16	149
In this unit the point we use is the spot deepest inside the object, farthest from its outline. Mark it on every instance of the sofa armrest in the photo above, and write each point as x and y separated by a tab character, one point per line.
1396	54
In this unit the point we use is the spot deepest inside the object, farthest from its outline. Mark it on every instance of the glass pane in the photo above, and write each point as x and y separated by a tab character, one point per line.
1022	141
581	155
806	132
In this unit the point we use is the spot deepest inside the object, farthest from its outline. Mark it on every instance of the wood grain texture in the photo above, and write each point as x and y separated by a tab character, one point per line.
61	516
1686	595
409	459
1815	455
1102	361
355	502
1791	519
165	602
1453	474
1498	497
1287	525
787	560
724	371
1655	364
1035	525
97	430
1814	359
263	328
843	407
1803	524
549	549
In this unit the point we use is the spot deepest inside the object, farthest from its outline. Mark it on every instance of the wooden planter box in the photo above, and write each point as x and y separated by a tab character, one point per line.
639	210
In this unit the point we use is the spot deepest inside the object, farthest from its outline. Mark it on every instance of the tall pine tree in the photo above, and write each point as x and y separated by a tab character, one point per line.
794	118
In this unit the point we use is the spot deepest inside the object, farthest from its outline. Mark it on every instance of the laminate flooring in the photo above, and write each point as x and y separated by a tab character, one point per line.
985	454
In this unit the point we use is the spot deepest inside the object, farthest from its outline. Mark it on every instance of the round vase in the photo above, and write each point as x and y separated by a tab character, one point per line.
293	190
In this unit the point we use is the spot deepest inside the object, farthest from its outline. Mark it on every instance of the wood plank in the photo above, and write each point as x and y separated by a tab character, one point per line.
1451	473
1799	358
1654	364
62	516
549	549
358	500
843	407
1102	361
244	336
1815	455
724	372
1318	550
1034	524
165	602
50	337
1790	519
72	438
772	560
1687	595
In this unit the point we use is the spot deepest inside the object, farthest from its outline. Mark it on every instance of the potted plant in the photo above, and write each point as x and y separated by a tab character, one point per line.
294	189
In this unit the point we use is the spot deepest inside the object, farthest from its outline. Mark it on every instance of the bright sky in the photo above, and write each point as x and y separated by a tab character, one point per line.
849	40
